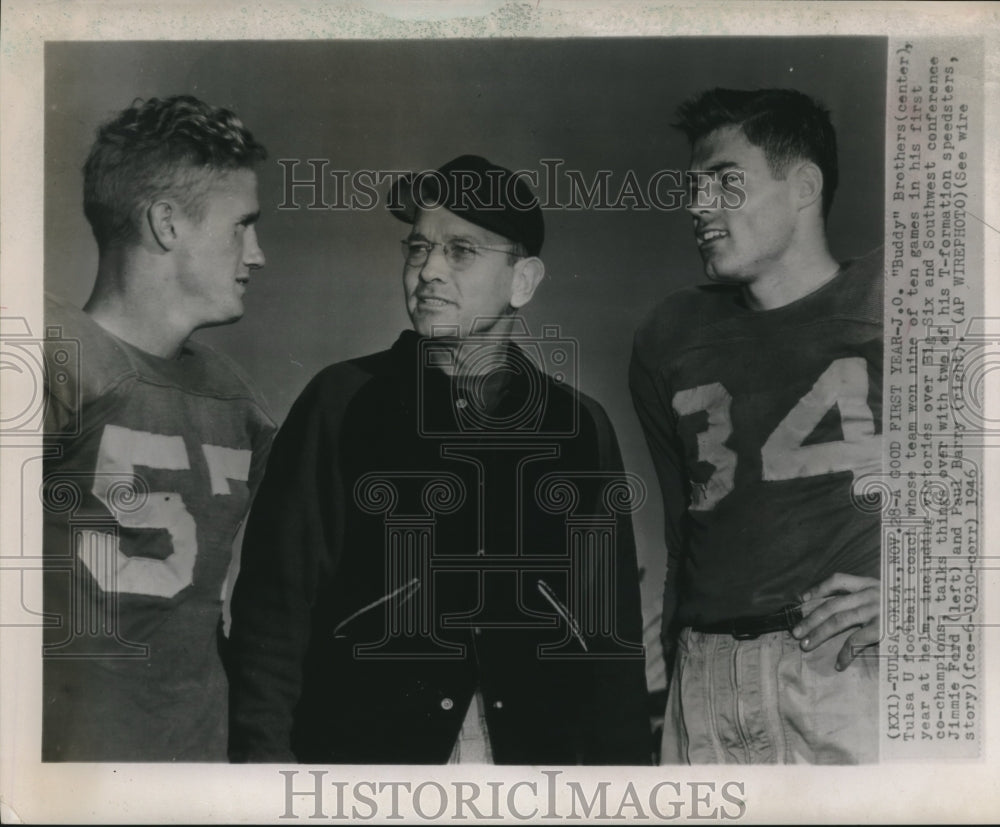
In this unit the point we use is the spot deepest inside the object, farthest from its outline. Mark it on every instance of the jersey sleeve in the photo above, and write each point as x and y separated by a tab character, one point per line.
656	419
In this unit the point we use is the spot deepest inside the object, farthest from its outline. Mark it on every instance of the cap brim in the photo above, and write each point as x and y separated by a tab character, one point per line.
401	202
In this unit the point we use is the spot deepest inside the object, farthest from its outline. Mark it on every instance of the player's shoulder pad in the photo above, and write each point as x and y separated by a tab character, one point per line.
864	285
688	309
222	376
82	360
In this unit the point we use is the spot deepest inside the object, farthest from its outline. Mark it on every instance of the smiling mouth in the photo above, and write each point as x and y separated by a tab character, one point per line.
432	301
708	236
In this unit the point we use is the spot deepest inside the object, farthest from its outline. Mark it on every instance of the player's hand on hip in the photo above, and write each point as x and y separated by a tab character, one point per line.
839	603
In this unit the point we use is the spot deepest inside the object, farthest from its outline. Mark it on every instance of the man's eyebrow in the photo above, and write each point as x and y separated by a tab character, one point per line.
719	166
461	237
249	218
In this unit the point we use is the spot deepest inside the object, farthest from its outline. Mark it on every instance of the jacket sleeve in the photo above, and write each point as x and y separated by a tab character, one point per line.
657	420
286	547
618	723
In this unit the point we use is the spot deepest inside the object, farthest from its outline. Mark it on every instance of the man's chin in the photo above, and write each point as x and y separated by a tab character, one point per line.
723	276
234	316
221	320
435	326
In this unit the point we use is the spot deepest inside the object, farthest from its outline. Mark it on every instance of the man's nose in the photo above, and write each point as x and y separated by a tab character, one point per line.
436	267
702	193
253	255
694	209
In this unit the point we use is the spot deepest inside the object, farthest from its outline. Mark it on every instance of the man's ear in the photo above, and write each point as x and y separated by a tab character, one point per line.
808	184
161	217
528	273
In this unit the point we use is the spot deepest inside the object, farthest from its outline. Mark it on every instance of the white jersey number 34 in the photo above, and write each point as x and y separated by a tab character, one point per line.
784	456
120	452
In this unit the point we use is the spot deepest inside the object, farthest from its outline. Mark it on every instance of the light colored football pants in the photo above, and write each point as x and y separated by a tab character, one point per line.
765	701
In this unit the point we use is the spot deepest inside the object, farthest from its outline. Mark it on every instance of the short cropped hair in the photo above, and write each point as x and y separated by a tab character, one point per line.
173	147
517	252
786	124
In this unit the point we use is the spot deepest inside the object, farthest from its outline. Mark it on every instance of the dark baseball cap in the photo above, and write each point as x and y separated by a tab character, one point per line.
487	195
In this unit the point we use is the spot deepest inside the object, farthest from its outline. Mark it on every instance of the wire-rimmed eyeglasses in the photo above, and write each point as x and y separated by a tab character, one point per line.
458	254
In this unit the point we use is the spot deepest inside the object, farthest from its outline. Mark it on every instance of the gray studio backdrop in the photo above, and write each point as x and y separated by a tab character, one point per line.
331	289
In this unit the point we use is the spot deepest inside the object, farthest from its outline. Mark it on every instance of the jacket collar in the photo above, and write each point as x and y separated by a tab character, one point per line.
516	375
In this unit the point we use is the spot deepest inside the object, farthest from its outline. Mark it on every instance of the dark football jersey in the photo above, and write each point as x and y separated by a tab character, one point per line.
149	468
759	424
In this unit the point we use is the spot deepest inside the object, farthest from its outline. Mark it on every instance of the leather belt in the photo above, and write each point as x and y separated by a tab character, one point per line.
748	628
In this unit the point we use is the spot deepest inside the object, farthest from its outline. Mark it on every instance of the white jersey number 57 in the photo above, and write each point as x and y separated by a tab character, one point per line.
120	452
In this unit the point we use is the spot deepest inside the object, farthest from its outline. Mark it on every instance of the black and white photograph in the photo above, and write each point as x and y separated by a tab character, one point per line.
497	411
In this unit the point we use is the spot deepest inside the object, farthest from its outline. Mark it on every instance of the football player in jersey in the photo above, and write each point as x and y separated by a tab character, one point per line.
760	397
154	444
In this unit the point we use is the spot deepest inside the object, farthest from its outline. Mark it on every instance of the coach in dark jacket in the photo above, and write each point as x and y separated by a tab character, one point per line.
439	565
